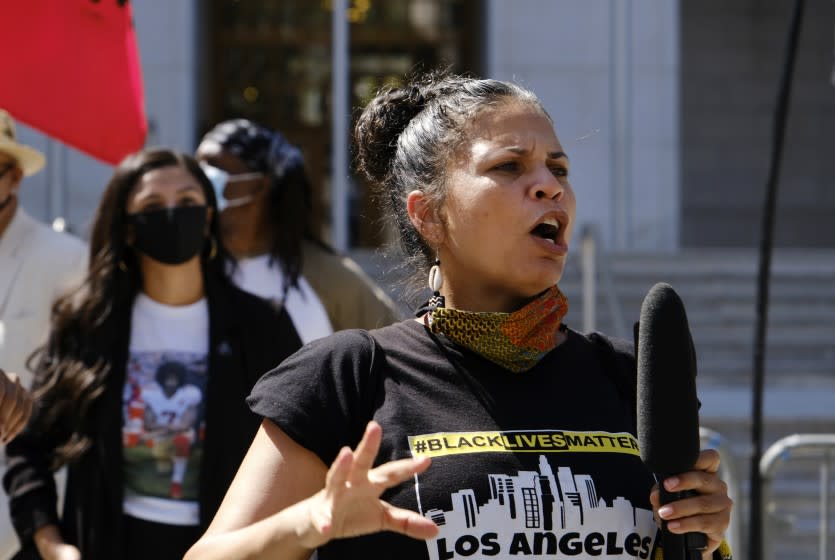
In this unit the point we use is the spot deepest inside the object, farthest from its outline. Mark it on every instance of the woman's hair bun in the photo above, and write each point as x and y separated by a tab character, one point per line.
379	126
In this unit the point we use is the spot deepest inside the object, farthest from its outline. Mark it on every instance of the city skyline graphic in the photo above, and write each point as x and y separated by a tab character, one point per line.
541	514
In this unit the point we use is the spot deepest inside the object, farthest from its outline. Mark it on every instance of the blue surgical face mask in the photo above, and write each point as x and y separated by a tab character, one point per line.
220	178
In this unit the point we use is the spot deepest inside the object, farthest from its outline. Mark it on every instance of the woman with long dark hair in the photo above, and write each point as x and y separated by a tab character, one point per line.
141	385
265	198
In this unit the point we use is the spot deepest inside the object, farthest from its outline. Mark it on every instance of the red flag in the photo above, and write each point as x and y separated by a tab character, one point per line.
71	70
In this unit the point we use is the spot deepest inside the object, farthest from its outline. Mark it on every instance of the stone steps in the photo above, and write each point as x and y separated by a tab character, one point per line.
719	290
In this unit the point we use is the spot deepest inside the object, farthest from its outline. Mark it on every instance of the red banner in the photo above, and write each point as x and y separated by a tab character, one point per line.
71	70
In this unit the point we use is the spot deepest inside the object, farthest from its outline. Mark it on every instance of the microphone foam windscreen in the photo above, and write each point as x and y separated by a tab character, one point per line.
668	409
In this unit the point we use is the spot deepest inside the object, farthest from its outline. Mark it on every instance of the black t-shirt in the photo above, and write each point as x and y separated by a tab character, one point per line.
540	464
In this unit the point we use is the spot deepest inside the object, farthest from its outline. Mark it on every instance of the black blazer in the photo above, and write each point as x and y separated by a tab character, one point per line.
247	337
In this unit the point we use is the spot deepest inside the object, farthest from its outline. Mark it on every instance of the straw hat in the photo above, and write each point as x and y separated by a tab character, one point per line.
29	159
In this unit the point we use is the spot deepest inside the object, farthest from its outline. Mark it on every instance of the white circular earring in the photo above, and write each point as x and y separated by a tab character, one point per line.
436	282
436	279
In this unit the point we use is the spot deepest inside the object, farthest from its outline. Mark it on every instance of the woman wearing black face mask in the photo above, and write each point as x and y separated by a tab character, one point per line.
143	380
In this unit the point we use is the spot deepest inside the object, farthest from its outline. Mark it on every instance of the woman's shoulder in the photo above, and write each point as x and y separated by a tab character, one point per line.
616	357
623	348
354	349
405	328
396	334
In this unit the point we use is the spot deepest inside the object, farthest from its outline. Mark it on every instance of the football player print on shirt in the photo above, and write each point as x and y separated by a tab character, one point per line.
163	426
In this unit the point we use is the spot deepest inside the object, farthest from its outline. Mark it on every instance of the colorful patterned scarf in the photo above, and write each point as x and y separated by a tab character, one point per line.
515	341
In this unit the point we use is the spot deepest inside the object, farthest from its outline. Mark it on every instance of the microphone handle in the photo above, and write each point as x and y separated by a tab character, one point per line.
688	546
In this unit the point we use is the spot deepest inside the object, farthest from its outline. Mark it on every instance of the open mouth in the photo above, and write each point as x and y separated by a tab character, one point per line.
548	230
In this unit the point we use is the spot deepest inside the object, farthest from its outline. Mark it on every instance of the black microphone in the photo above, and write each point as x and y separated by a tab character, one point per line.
668	410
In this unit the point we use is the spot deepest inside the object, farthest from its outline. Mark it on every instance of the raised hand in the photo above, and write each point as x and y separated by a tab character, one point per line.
709	512
350	503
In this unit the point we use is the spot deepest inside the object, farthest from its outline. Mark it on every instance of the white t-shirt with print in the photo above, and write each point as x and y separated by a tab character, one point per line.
163	410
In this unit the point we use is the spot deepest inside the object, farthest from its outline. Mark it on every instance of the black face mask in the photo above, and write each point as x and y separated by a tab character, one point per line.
171	235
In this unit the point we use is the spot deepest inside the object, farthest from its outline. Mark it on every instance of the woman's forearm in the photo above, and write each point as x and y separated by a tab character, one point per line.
288	534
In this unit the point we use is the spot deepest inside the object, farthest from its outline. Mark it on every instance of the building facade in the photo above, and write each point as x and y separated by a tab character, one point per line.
664	107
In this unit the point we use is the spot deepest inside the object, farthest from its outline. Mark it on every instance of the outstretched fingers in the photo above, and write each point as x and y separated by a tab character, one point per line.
407	522
393	473
365	453
335	481
351	467
340	469
354	469
350	504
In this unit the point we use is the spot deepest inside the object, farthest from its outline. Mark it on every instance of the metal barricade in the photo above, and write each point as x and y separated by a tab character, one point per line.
820	447
728	472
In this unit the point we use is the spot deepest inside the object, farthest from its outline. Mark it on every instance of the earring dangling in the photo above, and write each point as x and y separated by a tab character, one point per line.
122	266
436	282
213	251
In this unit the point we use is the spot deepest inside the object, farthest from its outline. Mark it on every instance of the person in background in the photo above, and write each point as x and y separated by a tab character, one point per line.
486	427
264	195
37	264
141	386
